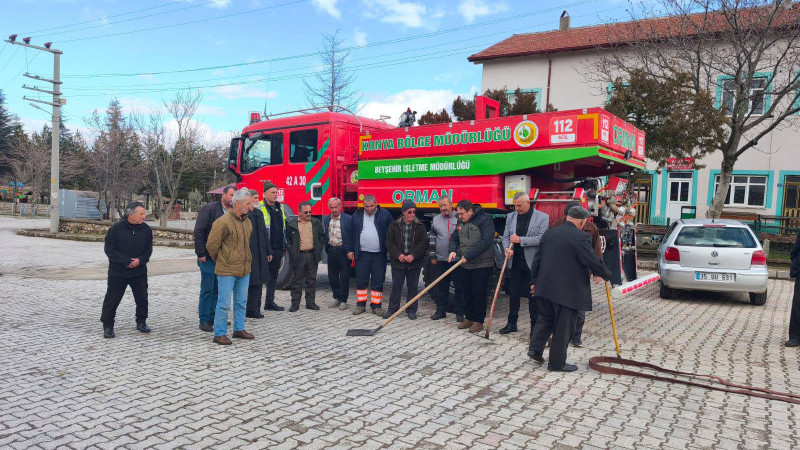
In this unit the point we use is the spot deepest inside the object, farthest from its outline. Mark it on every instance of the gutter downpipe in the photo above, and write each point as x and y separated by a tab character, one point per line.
549	67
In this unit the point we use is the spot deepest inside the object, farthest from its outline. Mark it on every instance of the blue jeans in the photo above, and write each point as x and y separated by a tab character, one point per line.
208	291
238	287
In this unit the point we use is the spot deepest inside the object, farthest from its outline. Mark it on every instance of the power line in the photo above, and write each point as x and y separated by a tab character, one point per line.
133	18
371	45
123	33
9	60
99	20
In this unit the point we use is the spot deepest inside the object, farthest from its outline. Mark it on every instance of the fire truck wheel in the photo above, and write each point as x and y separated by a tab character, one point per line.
284	274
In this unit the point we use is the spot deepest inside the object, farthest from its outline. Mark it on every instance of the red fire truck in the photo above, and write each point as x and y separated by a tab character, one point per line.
557	156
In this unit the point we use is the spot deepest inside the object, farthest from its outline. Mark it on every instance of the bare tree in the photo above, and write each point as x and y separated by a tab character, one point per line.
332	84
24	159
170	156
747	50
115	159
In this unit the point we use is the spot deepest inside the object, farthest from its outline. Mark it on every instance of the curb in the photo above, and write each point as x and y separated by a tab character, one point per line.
97	238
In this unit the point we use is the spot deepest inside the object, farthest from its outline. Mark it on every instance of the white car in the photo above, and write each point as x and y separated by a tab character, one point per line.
720	255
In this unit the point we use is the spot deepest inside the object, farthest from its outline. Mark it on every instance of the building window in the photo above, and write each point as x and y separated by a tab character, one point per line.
745	190
756	96
512	97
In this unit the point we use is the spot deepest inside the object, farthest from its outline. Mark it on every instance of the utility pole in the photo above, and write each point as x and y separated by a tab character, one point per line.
57	103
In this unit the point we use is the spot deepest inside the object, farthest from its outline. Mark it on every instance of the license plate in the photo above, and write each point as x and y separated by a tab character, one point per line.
713	276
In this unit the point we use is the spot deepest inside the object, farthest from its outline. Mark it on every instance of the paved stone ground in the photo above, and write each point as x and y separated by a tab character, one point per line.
416	384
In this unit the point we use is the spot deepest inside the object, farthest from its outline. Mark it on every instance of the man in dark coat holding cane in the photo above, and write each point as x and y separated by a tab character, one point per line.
560	281
794	319
261	250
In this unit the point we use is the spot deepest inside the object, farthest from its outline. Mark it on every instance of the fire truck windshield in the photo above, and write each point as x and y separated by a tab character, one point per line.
263	151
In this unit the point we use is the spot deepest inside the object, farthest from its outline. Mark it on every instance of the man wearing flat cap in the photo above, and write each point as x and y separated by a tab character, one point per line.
560	281
590	229
406	243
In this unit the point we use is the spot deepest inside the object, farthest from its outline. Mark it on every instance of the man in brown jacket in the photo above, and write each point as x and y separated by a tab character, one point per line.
229	246
406	243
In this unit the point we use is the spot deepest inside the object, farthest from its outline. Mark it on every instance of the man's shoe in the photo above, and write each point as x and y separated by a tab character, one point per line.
222	340
312	306
789	343
459	317
509	328
577	342
254	315
538	357
243	335
387	314
412	316
359	310
476	327
108	332
439	314
378	311
334	304
342	306
273	307
206	326
294	307
143	327
566	368
464	324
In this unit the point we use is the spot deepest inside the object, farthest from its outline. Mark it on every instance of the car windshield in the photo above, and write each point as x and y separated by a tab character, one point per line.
736	237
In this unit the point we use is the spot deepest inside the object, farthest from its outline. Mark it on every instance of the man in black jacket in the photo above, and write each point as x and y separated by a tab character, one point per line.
207	302
472	241
262	254
129	244
275	221
794	319
338	228
406	243
560	281
304	241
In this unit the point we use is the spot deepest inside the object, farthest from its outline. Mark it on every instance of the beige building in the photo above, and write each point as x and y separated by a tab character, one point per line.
557	66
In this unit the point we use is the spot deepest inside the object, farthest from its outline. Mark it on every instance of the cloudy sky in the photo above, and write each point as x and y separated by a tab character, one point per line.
248	54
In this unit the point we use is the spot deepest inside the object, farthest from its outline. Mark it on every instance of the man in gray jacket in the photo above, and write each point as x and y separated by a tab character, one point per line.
524	228
442	228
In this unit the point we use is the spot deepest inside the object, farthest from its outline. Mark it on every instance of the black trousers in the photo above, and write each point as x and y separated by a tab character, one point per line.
475	283
794	319
409	277
115	292
304	276
339	273
254	292
581	319
443	298
520	286
274	268
558	320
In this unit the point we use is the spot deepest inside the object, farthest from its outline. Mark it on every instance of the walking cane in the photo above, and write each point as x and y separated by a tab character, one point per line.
496	292
613	324
371	332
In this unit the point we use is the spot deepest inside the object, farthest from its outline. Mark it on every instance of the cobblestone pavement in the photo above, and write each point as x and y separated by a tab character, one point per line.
416	384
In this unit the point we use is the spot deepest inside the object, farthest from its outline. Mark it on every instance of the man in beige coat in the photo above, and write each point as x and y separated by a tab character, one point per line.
229	246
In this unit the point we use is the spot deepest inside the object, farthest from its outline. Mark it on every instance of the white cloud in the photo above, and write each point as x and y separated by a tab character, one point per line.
359	38
408	14
238	91
220	4
472	9
419	100
328	6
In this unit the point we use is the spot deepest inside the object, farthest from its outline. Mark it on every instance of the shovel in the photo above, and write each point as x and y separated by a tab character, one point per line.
369	332
613	324
496	292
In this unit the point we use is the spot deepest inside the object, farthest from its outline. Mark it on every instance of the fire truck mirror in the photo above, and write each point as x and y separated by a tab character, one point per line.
233	155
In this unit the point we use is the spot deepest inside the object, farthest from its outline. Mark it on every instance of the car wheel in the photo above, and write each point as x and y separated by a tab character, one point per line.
757	299
664	292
